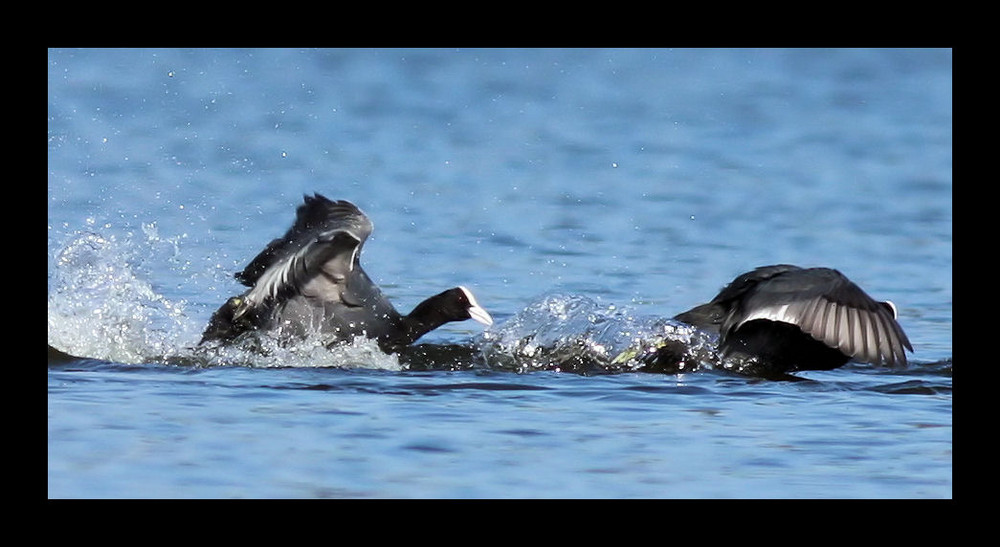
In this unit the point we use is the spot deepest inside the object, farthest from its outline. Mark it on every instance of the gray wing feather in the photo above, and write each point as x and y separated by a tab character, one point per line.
317	256
835	311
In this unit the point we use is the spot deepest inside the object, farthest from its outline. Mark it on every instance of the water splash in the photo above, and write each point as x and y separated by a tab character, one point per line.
266	351
575	333
101	307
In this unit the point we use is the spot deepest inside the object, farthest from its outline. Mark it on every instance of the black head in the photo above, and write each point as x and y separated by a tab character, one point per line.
456	304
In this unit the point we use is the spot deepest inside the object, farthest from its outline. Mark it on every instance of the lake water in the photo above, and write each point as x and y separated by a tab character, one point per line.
583	195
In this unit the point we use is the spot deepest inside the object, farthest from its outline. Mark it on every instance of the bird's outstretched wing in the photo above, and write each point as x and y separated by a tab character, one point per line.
829	307
318	256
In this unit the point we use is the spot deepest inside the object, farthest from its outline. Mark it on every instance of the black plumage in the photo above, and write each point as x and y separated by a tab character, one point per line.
788	318
311	280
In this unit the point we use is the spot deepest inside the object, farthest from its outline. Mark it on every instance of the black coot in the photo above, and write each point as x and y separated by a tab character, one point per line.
787	318
312	280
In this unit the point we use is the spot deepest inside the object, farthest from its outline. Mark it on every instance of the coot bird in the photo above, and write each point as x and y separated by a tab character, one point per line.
311	280
786	318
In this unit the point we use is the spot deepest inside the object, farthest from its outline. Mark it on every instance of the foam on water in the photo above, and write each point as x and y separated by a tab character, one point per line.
99	307
102	308
576	333
313	351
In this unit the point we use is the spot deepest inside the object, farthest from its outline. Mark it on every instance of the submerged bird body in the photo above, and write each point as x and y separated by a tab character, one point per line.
787	318
311	280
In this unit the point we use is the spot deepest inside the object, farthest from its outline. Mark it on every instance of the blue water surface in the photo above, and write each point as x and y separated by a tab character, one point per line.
622	185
